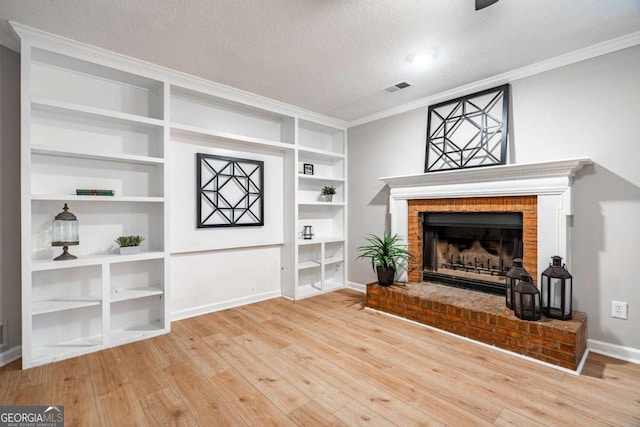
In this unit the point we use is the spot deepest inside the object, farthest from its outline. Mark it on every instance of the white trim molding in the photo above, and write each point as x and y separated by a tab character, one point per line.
358	287
628	354
223	305
11	354
550	181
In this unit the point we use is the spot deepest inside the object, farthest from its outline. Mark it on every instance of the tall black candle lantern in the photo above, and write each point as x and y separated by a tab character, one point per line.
556	289
526	299
512	278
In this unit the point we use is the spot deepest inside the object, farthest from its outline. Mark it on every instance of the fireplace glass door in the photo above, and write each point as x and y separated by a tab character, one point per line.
471	250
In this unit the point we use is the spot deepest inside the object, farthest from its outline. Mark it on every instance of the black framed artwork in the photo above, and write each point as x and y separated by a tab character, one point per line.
230	191
307	168
468	132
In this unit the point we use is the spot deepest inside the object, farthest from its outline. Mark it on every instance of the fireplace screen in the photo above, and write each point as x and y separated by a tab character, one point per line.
471	250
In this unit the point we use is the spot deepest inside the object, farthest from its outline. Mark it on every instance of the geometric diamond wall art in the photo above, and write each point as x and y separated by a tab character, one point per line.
230	191
468	132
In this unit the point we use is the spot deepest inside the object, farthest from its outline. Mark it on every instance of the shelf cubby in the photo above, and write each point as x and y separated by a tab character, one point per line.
71	131
55	174
67	289
309	191
136	279
100	224
66	333
136	318
75	81
225	117
314	136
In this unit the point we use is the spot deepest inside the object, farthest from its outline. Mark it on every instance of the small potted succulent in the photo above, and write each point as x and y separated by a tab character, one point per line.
129	244
326	195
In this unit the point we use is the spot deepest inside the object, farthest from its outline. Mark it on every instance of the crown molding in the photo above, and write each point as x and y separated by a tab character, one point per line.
83	51
589	52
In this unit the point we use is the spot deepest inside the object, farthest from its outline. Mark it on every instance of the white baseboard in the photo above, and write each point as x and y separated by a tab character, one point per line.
223	305
356	287
8	356
628	354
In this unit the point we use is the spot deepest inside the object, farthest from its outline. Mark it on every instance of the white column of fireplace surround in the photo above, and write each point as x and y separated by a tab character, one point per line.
550	181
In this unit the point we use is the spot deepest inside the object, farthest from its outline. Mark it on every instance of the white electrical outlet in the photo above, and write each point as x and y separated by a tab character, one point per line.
619	309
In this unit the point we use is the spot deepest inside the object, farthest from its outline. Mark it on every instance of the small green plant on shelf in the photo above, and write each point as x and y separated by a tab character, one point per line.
328	190
127	241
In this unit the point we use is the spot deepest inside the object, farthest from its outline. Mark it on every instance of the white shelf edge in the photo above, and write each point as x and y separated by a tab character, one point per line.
333	260
306	291
63	350
188	130
319	178
129	294
318	240
308	264
63	304
318	152
52	151
53	104
320	203
91	260
134	333
76	198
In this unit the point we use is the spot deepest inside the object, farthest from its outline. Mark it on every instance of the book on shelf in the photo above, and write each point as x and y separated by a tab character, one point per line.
92	192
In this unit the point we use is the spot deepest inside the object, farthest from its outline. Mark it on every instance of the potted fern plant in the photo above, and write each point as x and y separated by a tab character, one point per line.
386	255
327	193
129	244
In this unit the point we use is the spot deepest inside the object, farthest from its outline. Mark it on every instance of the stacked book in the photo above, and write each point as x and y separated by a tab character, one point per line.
90	192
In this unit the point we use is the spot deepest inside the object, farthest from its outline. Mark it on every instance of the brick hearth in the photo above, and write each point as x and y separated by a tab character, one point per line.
484	318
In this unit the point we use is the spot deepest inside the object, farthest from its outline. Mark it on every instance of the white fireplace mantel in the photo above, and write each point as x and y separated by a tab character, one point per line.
550	181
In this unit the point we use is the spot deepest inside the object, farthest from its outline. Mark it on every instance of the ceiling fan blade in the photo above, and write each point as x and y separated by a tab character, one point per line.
481	4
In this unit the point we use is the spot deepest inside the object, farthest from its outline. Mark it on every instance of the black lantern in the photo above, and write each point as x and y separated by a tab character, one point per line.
66	232
556	290
512	279
526	299
307	232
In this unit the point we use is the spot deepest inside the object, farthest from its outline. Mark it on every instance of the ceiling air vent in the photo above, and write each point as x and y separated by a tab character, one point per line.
396	87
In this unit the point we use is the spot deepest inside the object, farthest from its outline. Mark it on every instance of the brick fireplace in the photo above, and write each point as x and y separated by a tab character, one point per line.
541	193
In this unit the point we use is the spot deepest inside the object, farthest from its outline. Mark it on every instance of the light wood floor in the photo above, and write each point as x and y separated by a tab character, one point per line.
321	361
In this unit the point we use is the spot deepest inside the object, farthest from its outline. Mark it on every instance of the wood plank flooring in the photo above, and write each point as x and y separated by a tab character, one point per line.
321	361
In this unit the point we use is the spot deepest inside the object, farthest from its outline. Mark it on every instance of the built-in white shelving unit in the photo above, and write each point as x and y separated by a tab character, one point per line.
320	261
98	120
90	124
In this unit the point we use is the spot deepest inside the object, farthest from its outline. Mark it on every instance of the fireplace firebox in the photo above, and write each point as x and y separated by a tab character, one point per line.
471	250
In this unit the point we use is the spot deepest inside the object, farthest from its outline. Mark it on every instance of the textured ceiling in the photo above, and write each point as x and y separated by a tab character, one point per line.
331	56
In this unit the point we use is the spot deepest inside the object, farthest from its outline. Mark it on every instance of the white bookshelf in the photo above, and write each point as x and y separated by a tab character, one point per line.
320	261
90	125
98	120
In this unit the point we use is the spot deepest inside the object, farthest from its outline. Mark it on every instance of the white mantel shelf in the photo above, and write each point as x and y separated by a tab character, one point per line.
555	169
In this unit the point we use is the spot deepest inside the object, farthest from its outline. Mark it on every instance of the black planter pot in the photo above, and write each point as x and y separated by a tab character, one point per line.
385	276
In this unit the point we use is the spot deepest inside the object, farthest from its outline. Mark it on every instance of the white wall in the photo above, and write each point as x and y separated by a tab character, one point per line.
10	195
210	281
217	268
589	109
